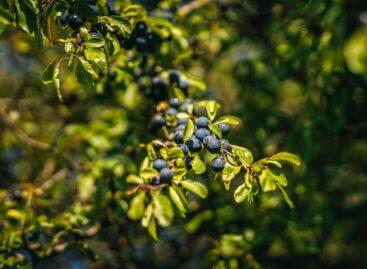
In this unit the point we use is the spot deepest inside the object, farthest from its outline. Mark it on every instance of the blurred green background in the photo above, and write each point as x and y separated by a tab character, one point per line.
295	72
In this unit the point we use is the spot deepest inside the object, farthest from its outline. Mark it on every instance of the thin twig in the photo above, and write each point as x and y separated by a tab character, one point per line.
26	139
190	7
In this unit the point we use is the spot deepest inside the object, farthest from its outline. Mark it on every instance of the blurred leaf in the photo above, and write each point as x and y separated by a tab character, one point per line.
152	229
231	120
47	75
56	79
137	206
163	210
286	197
134	179
195	187
147	216
94	43
149	173
287	157
179	199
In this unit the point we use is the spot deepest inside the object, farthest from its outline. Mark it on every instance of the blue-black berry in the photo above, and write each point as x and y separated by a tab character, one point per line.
202	122
224	128
155	181
179	136
74	21
182	121
225	145
218	164
141	44
64	18
202	133
184	148
158	120
174	76
141	28
159	164
194	144
183	84
175	102
188	161
171	111
166	175
213	144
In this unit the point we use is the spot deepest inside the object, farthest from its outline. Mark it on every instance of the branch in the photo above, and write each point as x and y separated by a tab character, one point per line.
26	139
190	7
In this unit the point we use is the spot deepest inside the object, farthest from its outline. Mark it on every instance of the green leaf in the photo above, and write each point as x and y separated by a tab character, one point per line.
152	229
134	179
228	119
47	75
56	80
274	162
87	66
243	154
198	165
175	153
163	210
137	206
197	83
230	172
94	43
215	130
132	11
96	56
195	187
189	130
84	10
286	197
287	157
147	216
267	180
69	47
211	109
149	173
83	76
151	152
123	25
179	199
241	193
113	45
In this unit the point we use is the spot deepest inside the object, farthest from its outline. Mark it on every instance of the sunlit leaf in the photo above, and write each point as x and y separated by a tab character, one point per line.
163	210
195	187
137	206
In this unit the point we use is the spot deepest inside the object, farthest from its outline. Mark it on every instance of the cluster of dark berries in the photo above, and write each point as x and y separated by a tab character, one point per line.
141	38
157	88
75	21
154	88
175	106
202	138
165	173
